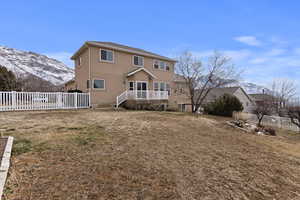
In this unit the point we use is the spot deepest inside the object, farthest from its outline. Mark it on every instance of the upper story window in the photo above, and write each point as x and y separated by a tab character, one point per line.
106	55
79	61
161	65
138	60
156	64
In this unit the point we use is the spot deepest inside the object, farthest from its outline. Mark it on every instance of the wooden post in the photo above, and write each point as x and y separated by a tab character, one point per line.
13	100
75	100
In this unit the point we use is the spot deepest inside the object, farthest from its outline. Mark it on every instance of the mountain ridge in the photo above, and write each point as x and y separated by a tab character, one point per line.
24	63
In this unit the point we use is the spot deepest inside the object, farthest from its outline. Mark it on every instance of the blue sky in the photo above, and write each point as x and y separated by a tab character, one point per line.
261	36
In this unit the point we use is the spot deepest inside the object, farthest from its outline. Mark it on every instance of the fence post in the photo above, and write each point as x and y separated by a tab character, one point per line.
13	100
75	100
90	97
59	100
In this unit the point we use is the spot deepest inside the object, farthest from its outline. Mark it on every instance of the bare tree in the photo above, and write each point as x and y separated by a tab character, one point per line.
294	113
283	90
263	108
200	79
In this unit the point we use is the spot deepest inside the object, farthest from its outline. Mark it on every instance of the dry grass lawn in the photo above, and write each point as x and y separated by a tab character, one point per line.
92	154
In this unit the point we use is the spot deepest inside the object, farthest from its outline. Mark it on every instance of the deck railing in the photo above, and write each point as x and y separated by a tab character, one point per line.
142	95
14	101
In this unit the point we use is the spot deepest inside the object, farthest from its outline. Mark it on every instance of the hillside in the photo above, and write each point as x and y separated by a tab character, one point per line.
94	154
24	63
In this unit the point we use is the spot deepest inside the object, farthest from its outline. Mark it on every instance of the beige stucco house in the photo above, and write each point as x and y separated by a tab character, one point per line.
116	74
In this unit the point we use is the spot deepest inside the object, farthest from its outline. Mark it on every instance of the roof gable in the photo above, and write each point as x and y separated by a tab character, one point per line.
141	69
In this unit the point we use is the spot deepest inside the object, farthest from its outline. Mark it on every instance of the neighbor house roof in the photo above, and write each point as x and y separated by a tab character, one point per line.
141	69
120	47
217	92
261	97
178	78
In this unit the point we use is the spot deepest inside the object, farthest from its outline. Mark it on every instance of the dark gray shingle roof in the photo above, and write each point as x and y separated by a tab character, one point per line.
129	49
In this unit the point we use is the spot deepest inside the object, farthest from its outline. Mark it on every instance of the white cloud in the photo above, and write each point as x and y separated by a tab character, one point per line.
203	54
297	51
249	40
64	57
237	55
276	52
258	60
278	41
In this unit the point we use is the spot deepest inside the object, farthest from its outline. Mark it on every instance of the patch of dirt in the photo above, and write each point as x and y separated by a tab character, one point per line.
143	156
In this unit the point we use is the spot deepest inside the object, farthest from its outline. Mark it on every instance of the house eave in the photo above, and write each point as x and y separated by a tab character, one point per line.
86	44
141	69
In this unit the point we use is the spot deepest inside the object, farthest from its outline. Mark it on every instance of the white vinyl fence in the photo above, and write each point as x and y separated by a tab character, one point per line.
13	101
275	121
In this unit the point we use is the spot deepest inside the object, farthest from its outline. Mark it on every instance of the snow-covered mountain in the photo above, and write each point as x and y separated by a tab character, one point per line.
24	63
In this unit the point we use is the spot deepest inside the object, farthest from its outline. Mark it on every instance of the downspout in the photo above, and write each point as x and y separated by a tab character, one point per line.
90	81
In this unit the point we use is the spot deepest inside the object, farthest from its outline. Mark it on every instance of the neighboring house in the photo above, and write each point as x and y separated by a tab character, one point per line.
267	99
70	85
260	99
238	92
114	74
181	94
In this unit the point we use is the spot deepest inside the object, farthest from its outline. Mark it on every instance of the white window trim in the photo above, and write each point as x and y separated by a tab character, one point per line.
165	68
165	87
99	88
138	65
159	82
141	82
154	64
108	61
154	85
133	85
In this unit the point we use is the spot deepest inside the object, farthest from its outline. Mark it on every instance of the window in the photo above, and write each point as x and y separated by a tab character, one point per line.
88	84
106	55
181	107
156	64
167	68
162	86
138	60
131	85
162	65
156	86
79	61
168	88
99	84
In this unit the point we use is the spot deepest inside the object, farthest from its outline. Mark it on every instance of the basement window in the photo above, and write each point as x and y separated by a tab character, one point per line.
99	84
